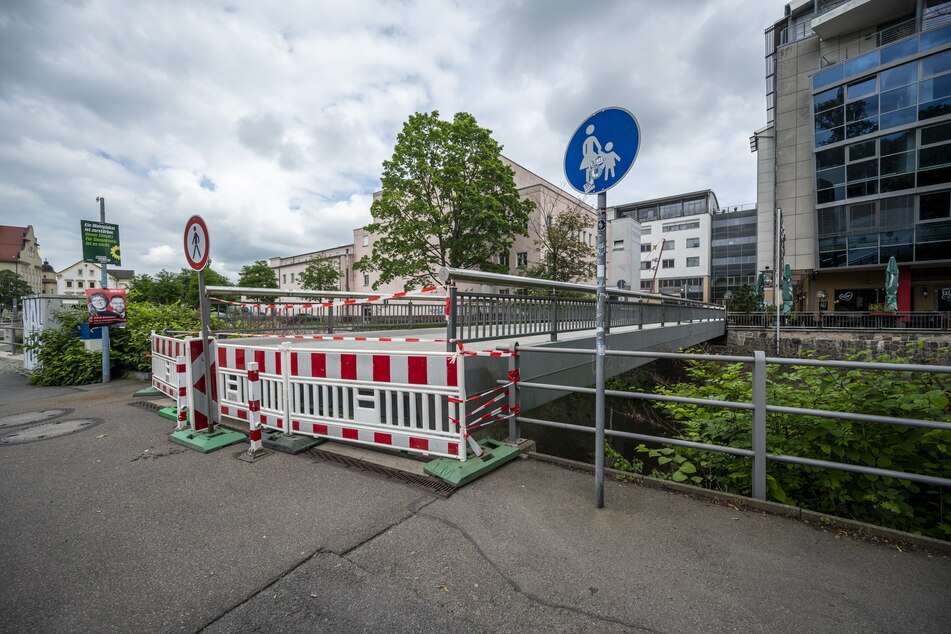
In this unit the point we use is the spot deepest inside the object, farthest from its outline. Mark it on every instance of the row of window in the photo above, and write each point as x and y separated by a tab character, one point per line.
915	91
889	163
680	226
668	263
79	284
669	245
899	212
666	211
886	55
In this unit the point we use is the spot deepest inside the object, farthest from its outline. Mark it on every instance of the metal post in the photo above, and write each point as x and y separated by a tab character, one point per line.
106	371
515	431
759	425
205	348
554	315
599	358
452	314
778	276
330	320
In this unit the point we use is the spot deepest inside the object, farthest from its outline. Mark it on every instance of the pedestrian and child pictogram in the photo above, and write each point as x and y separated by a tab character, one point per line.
602	150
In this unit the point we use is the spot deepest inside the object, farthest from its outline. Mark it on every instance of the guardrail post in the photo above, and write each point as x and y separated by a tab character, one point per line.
607	314
330	320
452	315
515	428
410	314
759	425
554	317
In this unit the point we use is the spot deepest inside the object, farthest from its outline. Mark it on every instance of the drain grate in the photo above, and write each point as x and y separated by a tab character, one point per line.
424	482
149	405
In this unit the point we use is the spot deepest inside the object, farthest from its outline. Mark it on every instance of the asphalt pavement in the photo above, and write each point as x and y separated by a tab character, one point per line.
113	528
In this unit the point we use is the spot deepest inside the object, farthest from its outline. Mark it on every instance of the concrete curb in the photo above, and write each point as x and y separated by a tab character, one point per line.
773	508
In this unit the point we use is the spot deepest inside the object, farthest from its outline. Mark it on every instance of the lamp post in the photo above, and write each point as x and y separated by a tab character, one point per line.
820	297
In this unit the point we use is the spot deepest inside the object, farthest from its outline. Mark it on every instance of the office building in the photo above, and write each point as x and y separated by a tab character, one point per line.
732	250
675	243
856	155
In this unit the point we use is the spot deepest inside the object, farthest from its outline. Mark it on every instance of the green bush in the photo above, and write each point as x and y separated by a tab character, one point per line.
887	502
130	346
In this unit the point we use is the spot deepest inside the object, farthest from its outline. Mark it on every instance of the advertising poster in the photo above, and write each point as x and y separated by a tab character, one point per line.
100	242
107	306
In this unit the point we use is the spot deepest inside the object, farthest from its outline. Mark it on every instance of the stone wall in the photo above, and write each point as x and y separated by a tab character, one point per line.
838	344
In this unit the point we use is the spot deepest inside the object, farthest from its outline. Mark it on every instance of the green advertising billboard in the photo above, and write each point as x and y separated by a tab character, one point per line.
100	242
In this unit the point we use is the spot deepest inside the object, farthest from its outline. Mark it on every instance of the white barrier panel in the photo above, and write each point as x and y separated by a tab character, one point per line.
401	400
165	352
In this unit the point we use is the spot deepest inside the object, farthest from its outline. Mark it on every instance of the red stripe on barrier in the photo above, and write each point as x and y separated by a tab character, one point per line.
255	435
351	434
383	439
253	375
381	368
319	429
318	365
259	356
277	363
295	425
254	406
223	357
451	372
348	367
453	448
225	410
416	370
242	414
295	371
419	443
239	358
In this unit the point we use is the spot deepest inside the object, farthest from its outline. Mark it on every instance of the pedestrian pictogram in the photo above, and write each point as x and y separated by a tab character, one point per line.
197	244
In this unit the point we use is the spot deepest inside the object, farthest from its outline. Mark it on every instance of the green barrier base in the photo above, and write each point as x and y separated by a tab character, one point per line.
206	442
279	441
147	392
458	473
170	413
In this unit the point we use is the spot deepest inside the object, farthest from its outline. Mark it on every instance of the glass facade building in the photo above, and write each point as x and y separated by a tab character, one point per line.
732	250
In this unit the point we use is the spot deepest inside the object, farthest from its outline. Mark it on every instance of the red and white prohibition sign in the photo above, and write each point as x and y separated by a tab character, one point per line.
197	244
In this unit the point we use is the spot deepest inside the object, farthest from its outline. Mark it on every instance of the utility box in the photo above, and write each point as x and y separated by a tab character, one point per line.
39	313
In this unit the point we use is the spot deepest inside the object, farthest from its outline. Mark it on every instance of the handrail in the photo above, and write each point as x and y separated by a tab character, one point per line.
278	292
758	405
467	275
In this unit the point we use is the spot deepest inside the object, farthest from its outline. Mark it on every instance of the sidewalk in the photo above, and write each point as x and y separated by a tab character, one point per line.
114	528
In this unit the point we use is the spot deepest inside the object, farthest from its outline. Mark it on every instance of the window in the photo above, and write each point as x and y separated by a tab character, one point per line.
366	241
504	259
79	283
693	243
619	245
680	226
366	279
669	245
646	265
646	247
521	258
69	283
667	264
693	261
92	284
292	278
645	231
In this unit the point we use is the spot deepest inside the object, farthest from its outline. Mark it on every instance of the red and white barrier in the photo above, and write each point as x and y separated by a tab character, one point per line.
165	353
402	400
254	408
181	399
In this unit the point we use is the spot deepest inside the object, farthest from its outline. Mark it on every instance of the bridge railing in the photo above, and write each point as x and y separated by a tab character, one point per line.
759	405
480	316
845	320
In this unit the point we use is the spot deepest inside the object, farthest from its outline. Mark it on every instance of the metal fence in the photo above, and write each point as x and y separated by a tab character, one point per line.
300	318
10	340
758	405
842	320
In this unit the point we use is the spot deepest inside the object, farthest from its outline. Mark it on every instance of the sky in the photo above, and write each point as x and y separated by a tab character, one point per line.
272	120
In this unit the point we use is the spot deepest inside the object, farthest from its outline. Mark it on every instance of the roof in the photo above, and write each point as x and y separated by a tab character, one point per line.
122	274
11	242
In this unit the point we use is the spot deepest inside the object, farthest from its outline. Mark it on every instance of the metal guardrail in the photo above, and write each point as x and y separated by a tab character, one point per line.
484	316
384	315
8	338
841	320
759	407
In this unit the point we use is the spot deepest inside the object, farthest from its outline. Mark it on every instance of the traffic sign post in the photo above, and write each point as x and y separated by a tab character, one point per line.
197	249
598	156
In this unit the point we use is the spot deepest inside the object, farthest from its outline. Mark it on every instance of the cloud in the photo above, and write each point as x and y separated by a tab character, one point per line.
273	125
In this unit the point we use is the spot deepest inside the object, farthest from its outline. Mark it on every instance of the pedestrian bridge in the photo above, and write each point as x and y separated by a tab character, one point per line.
373	370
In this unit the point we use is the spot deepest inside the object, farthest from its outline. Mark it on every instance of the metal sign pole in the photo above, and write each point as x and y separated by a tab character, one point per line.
106	371
205	328
599	358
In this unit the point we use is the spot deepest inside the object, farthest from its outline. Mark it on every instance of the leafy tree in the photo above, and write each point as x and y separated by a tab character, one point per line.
447	200
321	275
189	281
565	256
745	300
169	288
12	286
258	275
899	504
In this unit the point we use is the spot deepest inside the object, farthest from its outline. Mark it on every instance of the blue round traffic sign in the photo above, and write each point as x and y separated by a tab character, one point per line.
602	150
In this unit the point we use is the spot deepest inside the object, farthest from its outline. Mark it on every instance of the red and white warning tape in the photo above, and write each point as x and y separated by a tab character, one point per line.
344	302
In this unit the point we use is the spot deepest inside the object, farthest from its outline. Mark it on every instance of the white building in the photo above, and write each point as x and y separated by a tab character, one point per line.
289	269
675	243
75	279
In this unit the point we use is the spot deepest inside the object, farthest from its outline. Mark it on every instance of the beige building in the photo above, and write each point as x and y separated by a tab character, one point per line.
75	279
289	269
20	252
